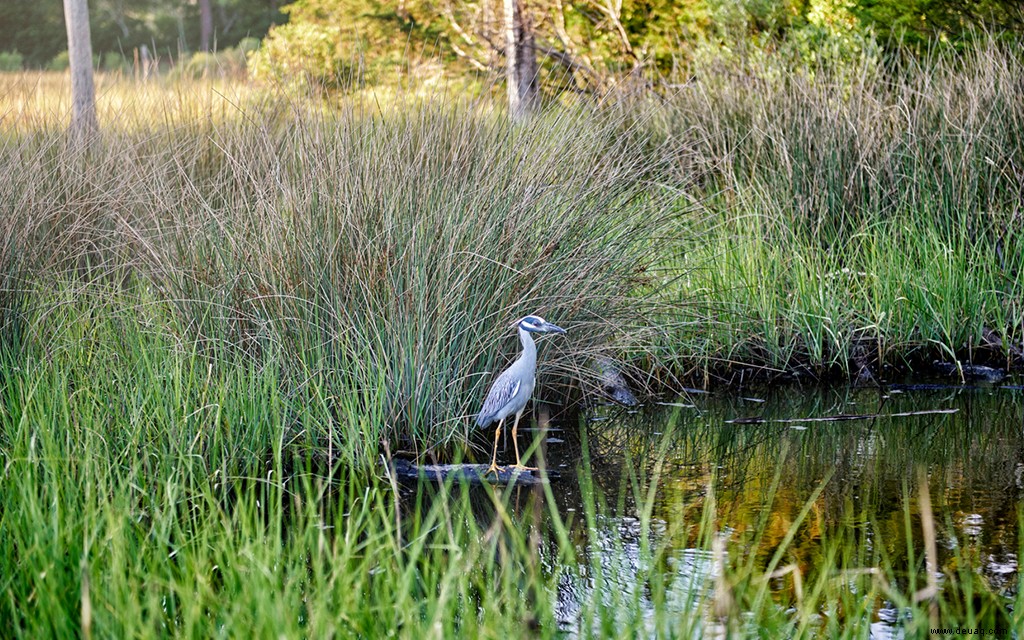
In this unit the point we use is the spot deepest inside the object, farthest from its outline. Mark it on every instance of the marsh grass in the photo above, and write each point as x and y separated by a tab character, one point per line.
823	221
217	318
139	523
375	257
866	215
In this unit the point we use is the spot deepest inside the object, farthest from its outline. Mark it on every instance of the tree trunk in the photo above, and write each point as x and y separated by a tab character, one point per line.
521	62
83	92
205	25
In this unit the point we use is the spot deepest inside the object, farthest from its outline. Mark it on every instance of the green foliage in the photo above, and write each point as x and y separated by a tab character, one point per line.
114	61
343	44
33	29
36	29
920	22
228	63
11	61
596	47
60	62
585	45
248	45
582	45
813	34
301	55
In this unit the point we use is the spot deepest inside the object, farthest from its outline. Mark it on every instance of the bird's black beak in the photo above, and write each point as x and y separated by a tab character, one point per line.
552	328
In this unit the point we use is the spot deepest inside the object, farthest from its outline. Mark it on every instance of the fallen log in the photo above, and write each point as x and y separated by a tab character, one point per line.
469	473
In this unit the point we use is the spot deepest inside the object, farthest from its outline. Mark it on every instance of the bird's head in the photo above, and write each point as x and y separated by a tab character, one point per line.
537	324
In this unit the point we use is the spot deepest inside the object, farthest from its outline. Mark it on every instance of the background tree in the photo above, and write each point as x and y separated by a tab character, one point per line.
582	46
205	25
169	28
521	79
83	94
596	46
585	46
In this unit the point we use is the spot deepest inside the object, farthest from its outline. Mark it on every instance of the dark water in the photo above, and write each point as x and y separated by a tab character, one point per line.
764	457
762	472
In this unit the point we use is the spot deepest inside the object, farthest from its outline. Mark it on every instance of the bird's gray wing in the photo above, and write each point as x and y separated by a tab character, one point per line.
502	391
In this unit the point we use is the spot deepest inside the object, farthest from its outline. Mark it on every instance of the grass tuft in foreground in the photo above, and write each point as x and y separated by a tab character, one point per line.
123	529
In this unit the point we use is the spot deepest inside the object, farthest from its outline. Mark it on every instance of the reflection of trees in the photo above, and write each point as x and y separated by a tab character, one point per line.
763	473
758	477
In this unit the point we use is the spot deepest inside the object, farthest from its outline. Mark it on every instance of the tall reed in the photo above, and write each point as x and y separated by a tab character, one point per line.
857	215
378	256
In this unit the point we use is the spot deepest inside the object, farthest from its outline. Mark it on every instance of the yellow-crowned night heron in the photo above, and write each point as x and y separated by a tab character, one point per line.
514	387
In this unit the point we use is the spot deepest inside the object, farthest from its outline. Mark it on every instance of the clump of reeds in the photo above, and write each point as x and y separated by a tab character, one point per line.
377	257
826	222
852	216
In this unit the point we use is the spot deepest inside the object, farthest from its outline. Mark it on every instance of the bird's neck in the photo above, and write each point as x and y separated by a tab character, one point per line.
529	346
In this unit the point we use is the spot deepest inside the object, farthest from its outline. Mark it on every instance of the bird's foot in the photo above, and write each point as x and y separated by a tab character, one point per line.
495	469
520	467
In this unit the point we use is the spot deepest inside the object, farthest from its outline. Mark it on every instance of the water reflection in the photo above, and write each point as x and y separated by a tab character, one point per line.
973	460
752	465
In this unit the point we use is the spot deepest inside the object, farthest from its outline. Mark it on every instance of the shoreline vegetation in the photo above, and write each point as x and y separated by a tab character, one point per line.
232	286
826	223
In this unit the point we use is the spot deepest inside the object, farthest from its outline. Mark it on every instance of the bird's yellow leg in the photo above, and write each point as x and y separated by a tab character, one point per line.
515	427
494	457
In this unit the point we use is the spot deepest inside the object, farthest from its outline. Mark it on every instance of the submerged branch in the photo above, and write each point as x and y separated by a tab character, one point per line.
843	416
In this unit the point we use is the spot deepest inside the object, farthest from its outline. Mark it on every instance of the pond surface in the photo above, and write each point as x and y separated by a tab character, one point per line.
764	472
